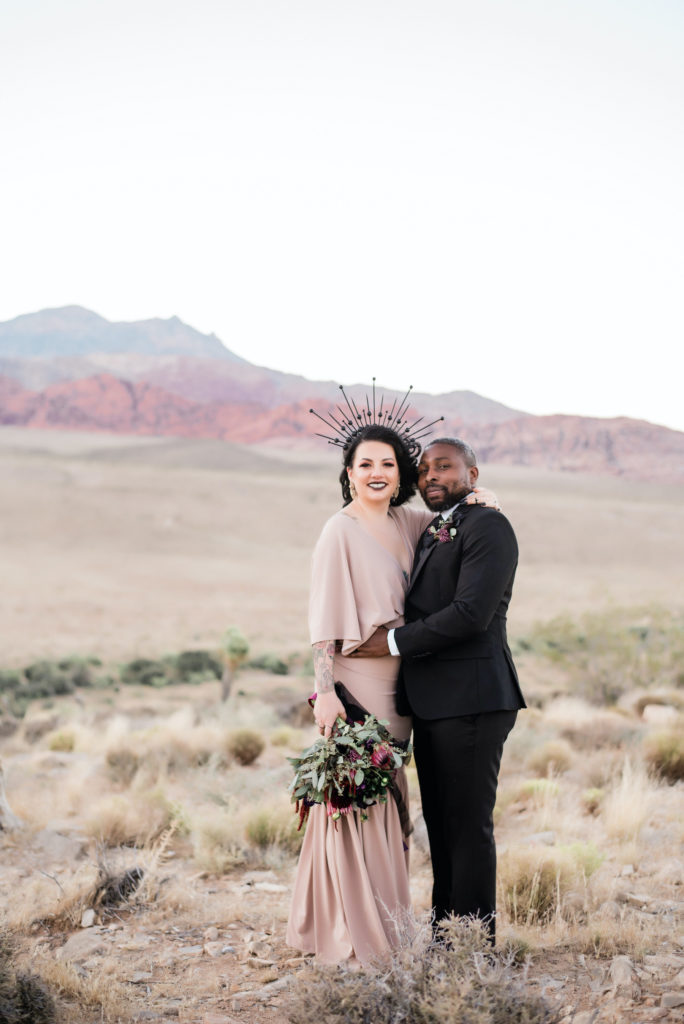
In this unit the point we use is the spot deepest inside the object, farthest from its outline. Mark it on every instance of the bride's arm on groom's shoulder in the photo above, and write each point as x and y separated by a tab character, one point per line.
327	707
483	496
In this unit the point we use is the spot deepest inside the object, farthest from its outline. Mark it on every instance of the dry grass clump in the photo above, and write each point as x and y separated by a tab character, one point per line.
592	798
107	996
628	803
664	698
122	763
133	820
168	749
219	843
24	999
288	737
455	979
543	796
550	758
243	834
587	727
538	884
245	745
62	741
664	754
274	825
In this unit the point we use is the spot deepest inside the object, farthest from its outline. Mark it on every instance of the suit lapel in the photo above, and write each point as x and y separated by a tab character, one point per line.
426	550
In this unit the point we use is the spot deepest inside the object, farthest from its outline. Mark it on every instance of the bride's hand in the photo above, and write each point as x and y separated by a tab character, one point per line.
327	709
483	496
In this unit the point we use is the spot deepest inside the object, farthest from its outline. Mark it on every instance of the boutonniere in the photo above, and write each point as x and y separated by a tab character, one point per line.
445	531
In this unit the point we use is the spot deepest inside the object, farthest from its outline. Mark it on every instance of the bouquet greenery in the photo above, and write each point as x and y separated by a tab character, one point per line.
351	770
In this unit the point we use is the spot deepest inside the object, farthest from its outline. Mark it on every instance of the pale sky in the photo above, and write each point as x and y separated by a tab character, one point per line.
481	195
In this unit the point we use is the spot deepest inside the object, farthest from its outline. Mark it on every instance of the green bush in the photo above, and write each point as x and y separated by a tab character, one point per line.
270	663
193	664
79	670
10	680
144	672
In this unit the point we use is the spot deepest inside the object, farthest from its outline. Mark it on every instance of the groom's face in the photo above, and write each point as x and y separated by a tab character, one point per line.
443	477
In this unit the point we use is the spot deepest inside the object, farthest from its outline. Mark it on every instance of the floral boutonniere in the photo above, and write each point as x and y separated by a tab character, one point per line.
443	533
446	530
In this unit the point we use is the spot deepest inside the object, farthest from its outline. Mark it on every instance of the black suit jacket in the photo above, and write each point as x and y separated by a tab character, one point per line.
455	654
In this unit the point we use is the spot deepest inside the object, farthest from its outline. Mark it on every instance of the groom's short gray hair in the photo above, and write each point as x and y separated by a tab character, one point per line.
469	456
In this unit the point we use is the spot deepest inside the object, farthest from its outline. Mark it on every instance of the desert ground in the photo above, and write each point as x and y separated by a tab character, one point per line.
148	846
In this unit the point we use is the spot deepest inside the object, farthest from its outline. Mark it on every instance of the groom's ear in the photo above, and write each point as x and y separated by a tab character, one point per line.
473	473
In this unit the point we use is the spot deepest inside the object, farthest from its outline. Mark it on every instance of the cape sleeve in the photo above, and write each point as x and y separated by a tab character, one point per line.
333	611
416	521
355	587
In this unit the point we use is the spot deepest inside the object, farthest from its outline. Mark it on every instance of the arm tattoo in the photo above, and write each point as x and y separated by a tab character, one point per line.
323	654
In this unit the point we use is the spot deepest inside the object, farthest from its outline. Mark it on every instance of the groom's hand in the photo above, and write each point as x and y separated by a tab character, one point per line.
375	646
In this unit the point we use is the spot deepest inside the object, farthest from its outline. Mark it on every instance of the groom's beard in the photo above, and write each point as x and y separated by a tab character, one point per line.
448	498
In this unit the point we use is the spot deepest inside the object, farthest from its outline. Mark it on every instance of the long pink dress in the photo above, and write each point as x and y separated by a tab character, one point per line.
352	880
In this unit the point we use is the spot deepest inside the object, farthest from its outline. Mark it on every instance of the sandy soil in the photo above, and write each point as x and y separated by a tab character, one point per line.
123	546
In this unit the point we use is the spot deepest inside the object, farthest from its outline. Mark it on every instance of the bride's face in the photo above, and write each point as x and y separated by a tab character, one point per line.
374	472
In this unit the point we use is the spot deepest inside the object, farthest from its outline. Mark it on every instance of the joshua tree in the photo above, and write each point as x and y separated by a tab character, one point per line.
8	819
235	650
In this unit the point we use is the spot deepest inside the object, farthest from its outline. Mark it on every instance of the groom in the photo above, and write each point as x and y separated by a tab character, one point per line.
457	677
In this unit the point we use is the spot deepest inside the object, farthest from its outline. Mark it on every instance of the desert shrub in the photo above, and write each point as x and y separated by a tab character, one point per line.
274	826
36	728
628	803
62	741
270	663
607	655
79	670
144	672
586	857
135	820
536	880
245	745
192	666
9	680
591	799
551	757
219	844
122	764
664	754
454	980
24	999
671	698
537	789
284	736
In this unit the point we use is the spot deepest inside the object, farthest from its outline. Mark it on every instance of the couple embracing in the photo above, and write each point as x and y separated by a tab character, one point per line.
408	612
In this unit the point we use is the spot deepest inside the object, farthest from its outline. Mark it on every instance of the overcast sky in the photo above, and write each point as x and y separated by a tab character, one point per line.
483	195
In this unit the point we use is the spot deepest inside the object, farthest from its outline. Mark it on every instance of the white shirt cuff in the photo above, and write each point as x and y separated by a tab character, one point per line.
391	643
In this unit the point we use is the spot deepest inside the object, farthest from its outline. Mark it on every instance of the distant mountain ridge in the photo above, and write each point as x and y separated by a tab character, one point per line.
161	377
41	349
74	331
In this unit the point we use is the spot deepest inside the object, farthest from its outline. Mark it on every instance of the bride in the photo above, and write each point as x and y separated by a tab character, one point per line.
352	885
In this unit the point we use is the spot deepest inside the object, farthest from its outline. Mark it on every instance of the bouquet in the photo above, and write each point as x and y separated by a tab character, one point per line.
351	770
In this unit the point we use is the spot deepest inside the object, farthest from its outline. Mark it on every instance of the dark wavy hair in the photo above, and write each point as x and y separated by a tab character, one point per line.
407	463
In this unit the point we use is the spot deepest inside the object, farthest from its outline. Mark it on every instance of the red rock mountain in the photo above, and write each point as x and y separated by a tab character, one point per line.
70	369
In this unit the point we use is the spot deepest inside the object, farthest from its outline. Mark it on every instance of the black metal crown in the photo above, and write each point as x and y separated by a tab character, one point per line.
351	420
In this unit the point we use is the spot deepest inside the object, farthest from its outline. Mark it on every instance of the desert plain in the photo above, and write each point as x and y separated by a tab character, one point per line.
147	860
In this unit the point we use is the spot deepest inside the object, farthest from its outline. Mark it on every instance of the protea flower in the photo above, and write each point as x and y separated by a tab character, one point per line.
381	756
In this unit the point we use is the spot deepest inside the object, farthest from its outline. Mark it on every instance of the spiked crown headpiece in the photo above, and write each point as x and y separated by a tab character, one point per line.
351	420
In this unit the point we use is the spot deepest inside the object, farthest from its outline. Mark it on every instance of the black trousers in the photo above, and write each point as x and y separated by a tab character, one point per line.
458	768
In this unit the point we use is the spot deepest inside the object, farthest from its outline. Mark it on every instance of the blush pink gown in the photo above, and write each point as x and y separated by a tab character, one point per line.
352	885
